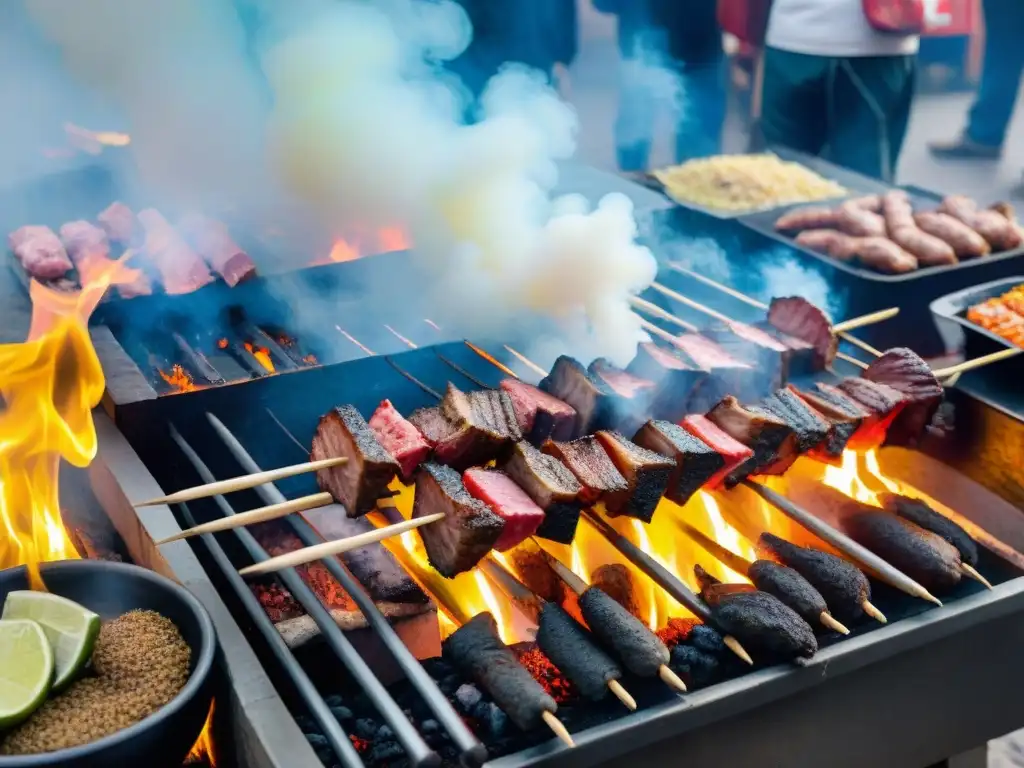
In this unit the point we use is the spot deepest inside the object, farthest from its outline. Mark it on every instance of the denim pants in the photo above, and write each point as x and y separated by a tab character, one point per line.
1001	72
695	94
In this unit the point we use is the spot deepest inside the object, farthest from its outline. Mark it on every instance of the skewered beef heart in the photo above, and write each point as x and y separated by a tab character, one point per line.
400	438
796	316
811	427
540	415
696	462
508	501
844	417
908	374
552	487
632	395
752	345
883	404
646	473
771	439
40	252
592	466
732	451
570	382
675	379
726	373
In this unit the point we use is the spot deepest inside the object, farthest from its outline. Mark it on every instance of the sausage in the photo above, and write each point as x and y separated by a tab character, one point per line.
871	203
810	217
884	255
897	210
1005	209
997	229
821	240
856	221
899	220
967	244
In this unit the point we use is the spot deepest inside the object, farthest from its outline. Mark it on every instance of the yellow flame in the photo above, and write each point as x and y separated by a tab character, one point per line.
202	751
847	478
727	536
48	387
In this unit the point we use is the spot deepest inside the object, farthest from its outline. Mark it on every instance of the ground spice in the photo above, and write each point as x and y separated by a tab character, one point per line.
139	664
547	674
676	631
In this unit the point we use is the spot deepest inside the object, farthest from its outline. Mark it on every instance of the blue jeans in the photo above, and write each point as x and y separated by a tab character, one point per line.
696	96
1001	72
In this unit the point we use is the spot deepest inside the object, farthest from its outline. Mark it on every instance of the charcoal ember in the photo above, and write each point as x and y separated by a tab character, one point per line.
903	370
842	584
615	580
449	684
790	587
334	700
697	668
919	513
922	555
706	639
765	622
467	696
497	720
317	741
696	462
646	474
571	648
384	733
591	398
637	647
429	726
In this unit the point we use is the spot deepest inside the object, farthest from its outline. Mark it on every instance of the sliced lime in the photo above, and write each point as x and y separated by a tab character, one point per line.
71	629
26	670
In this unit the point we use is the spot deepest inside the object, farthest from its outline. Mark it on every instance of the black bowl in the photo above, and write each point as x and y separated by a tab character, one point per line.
163	739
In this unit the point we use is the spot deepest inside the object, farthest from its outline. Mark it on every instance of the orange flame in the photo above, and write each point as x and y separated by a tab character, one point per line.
203	751
50	384
262	355
342	250
179	378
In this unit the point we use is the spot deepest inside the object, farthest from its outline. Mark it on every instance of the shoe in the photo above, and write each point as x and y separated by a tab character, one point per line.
963	148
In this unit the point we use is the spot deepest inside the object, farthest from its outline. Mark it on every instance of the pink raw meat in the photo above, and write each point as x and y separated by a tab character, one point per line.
400	438
507	500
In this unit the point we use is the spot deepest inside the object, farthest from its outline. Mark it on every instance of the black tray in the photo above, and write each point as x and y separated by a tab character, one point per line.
951	310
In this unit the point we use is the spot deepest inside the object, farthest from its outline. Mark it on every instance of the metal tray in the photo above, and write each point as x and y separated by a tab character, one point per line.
952	309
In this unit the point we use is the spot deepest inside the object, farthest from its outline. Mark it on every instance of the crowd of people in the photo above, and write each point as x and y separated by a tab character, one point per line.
832	77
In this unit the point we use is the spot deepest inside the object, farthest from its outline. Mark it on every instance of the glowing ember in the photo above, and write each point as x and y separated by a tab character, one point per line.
310	359
545	673
50	384
179	379
262	355
202	751
222	343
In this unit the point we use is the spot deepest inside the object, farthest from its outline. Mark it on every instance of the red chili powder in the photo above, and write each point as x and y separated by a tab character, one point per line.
545	673
676	631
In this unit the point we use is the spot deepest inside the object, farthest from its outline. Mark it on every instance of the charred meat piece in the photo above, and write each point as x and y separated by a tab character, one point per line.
802	360
571	648
843	586
752	345
646	473
87	245
637	647
359	482
632	398
469	529
181	269
758	617
734	453
810	427
696	462
540	415
591	398
906	372
400	438
924	556
482	425
532	567
796	316
844	416
120	224
40	252
432	424
727	374
882	402
477	650
214	243
592	466
790	587
552	487
919	513
616	581
675	379
771	439
508	501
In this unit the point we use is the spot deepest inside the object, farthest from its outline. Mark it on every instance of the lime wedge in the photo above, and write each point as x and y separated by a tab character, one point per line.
71	629
26	670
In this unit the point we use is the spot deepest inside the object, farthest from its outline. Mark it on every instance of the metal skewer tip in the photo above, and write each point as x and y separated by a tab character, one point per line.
830	622
972	573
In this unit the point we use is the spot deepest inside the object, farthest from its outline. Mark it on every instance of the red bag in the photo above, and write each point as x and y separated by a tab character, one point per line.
746	20
899	17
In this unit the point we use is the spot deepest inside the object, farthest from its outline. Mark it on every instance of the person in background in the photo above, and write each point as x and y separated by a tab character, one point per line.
997	92
671	51
832	81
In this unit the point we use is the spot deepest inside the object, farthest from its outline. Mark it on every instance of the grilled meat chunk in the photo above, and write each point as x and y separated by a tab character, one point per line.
120	224
802	359
908	374
592	466
734	453
540	415
637	647
843	586
646	473
213	242
359	482
810	427
508	501
796	316
924	556
591	398
632	395
88	245
757	617
433	425
552	487
181	269
919	513
469	529
726	373
40	252
883	404
790	587
771	439
477	650
696	462
675	379
572	649
400	438
752	345
468	428
844	418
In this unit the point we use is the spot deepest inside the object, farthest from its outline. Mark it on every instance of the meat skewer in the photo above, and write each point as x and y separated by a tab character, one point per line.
40	252
568	645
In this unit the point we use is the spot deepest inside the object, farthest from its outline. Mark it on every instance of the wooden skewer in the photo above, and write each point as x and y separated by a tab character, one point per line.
972	573
331	548
873	612
978	362
671	679
656	311
851	360
662	334
244	481
261	515
829	621
623	695
666	291
862	345
868	319
558	728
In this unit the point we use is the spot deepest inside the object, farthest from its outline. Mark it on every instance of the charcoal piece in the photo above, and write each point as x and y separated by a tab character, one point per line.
842	584
810	427
919	513
763	621
616	581
706	639
640	650
592	466
592	399
696	462
675	379
552	487
358	483
467	696
469	529
572	649
478	651
646	474
904	371
496	720
385	753
366	728
922	555
790	587
696	667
